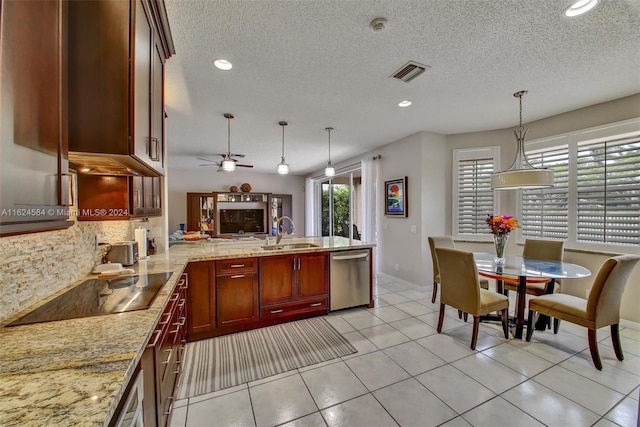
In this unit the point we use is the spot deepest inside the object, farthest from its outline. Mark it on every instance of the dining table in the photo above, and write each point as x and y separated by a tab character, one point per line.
525	269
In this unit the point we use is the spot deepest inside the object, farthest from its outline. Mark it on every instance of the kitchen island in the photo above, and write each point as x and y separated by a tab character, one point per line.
75	372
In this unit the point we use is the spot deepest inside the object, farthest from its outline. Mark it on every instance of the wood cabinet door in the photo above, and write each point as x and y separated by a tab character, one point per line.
312	275
142	59
33	134
277	279
237	298
201	299
156	149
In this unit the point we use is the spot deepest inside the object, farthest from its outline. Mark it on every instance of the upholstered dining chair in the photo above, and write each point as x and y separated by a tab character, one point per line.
601	309
546	250
460	288
443	242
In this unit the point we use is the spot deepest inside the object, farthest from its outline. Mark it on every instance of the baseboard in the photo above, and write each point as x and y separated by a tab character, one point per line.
399	280
629	324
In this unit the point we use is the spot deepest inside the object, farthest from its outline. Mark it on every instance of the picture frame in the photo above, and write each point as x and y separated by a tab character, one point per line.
395	198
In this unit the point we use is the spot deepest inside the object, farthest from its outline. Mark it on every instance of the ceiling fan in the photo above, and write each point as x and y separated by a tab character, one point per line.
228	162
219	164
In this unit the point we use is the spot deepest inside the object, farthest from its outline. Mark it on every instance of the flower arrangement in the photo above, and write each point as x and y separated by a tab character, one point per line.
502	224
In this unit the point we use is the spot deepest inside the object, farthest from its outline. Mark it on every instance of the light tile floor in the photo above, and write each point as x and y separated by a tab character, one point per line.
407	374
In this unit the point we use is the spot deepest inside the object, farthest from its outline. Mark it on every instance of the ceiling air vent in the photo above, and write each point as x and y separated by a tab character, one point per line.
409	71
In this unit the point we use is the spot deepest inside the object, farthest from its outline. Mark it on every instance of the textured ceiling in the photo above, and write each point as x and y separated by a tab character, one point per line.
317	63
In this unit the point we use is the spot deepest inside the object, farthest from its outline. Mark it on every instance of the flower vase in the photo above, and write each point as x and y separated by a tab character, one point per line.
500	242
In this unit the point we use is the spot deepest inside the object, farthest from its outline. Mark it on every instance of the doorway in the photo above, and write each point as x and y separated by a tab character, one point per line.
341	205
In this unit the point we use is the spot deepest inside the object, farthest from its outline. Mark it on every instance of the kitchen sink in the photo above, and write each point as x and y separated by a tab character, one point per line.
289	246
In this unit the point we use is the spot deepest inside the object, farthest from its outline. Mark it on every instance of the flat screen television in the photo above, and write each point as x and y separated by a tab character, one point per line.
242	221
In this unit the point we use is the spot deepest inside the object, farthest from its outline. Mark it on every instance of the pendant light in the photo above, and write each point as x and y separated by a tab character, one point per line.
228	164
329	170
283	167
521	175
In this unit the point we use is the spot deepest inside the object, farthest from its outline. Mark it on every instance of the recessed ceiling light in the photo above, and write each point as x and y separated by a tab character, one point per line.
404	103
579	7
223	64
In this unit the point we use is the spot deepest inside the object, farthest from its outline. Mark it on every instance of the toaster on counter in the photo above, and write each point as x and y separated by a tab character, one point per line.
126	253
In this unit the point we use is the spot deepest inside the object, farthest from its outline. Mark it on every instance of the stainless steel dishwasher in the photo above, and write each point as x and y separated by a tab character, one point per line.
349	278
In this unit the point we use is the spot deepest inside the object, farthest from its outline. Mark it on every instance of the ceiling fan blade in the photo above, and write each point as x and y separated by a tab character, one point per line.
211	164
206	160
237	155
243	166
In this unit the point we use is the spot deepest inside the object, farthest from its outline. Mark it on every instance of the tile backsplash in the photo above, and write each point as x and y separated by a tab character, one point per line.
34	266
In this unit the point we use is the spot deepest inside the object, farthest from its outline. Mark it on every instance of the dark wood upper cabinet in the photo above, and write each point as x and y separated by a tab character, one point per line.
117	51
34	178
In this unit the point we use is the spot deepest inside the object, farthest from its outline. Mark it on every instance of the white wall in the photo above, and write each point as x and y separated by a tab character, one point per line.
205	180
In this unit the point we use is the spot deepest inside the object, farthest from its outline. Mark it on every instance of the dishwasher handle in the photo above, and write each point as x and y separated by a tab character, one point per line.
354	256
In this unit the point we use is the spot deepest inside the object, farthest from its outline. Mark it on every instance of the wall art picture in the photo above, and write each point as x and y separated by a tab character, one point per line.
395	199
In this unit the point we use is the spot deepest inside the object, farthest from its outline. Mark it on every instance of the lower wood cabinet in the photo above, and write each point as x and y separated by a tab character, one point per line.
233	295
294	285
237	293
201	306
162	361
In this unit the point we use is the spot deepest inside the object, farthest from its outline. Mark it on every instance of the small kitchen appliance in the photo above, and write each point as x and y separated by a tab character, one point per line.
126	253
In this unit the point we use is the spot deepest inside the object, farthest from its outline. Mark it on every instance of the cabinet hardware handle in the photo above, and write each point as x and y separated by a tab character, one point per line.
170	351
317	304
236	265
277	311
181	322
181	303
156	337
138	199
298	259
165	321
237	276
176	330
169	398
174	297
155	153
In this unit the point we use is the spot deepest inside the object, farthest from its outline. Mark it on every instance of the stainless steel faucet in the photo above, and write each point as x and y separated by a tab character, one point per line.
280	228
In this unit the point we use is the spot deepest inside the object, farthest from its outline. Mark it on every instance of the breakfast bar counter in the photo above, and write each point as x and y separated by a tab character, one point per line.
75	372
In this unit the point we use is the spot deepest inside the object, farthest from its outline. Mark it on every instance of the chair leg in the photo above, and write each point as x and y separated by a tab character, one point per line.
615	338
435	292
530	324
556	325
465	316
441	317
593	347
505	322
474	337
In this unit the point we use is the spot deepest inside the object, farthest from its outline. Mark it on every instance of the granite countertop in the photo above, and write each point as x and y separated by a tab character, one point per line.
74	372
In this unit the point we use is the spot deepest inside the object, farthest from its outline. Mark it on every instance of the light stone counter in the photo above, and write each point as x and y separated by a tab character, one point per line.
74	372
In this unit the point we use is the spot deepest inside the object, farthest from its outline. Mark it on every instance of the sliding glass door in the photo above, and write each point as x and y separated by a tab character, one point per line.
341	201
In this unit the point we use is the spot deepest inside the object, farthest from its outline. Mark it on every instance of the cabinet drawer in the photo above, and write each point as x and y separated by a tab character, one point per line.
233	266
319	305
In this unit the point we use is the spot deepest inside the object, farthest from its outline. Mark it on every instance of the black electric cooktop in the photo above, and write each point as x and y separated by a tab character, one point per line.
96	297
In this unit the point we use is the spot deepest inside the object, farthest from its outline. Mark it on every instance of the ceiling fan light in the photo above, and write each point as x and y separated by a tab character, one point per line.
283	168
228	165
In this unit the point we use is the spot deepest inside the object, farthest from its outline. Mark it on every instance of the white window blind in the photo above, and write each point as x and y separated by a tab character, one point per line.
608	192
475	197
545	213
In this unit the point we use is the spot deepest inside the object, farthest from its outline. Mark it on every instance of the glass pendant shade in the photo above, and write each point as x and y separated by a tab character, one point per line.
329	170
521	175
283	167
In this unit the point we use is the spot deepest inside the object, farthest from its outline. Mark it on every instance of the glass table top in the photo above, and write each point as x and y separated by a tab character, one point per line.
519	266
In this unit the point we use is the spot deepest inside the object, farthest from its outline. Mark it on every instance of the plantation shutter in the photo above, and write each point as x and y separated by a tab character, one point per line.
475	197
545	213
608	192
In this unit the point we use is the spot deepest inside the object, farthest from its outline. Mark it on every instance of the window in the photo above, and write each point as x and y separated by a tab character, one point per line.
595	202
474	199
608	189
545	212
